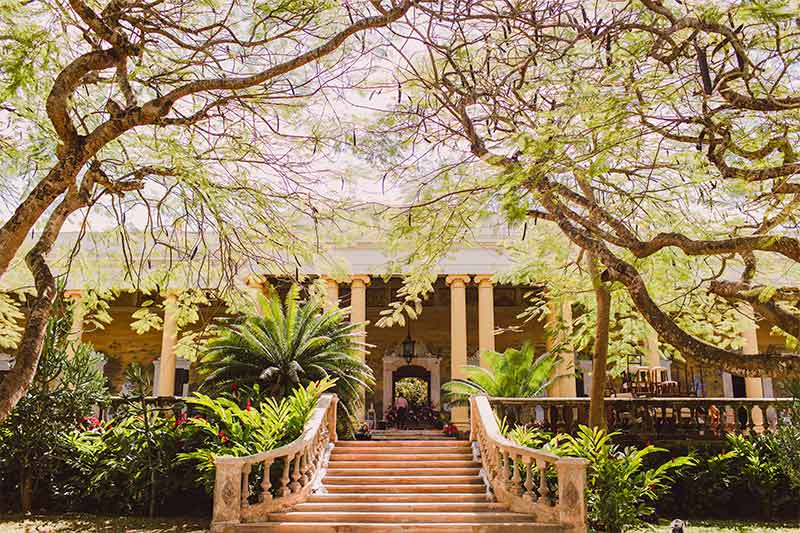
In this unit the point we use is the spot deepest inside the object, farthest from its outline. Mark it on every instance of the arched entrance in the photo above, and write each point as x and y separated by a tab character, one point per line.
424	368
411	371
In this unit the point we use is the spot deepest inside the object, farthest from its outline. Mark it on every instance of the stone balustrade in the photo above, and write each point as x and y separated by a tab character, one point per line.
287	474
694	418
527	480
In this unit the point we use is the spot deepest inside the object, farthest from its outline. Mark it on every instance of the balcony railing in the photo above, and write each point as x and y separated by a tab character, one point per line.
298	468
519	476
694	418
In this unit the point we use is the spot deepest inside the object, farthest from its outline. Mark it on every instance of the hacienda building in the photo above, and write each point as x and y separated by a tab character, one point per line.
467	313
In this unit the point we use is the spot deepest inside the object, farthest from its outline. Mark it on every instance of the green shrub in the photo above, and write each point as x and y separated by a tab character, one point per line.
67	384
747	479
227	428
129	465
620	489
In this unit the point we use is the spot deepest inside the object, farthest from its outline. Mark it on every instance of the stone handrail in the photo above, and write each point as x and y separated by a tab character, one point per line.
300	465
697	418
521	477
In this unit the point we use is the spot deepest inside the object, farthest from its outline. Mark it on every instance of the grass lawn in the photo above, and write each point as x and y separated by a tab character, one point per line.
107	524
721	526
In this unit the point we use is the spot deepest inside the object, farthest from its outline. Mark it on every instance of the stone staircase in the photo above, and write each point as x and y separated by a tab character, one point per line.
411	486
409	434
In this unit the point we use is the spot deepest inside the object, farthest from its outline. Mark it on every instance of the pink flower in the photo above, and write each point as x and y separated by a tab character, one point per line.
222	436
247	405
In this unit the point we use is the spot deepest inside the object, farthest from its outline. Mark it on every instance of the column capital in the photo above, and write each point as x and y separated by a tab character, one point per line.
457	280
359	280
484	280
329	280
254	281
172	293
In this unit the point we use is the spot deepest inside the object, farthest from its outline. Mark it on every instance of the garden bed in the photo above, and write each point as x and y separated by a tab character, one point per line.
108	524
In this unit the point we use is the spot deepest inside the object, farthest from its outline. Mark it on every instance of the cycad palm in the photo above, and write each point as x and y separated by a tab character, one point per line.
515	373
289	346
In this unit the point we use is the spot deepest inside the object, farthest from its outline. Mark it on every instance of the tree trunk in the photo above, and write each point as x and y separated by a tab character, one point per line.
597	408
17	381
25	490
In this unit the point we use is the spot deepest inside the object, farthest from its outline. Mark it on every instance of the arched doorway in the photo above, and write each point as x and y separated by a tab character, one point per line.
415	372
424	368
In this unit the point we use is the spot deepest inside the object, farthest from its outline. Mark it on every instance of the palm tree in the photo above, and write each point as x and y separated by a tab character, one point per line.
515	373
290	345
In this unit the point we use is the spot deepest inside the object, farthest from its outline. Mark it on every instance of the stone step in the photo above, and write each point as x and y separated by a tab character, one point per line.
441	487
427	463
427	527
397	517
415	450
421	469
367	479
403	443
349	456
370	497
404	507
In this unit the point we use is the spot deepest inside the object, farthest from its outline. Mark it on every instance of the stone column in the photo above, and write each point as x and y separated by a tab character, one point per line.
753	387
436	386
358	314
331	292
652	353
485	316
564	386
169	340
255	287
78	313
458	339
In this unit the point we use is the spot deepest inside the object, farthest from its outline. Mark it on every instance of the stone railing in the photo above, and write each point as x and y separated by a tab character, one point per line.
529	481
695	418
296	470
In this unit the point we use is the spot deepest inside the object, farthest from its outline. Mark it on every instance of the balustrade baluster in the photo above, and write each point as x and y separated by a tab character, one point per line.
516	487
246	469
284	490
295	484
751	424
266	483
544	490
506	468
310	461
303	478
529	492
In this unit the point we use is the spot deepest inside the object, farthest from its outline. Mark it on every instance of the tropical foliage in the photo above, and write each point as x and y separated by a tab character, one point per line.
622	487
289	345
224	427
515	373
65	388
128	464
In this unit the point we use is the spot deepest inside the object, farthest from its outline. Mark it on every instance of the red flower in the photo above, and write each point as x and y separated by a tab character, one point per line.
234	387
247	405
180	420
91	422
222	436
